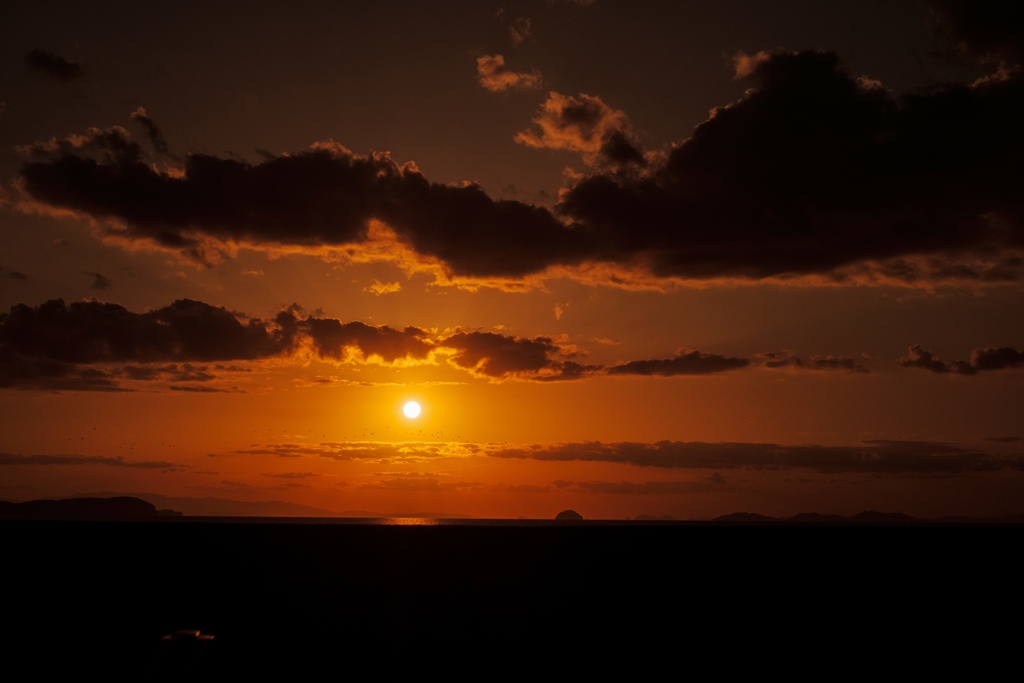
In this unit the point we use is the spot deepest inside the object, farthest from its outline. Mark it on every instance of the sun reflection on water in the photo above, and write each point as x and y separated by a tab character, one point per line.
410	521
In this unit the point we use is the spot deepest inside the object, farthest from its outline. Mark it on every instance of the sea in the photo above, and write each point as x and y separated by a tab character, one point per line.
289	598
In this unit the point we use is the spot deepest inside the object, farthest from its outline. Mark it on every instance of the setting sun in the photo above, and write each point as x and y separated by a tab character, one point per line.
411	409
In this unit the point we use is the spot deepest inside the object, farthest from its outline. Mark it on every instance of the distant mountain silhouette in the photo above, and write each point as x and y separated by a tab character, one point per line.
222	507
117	508
745	517
867	517
225	507
568	516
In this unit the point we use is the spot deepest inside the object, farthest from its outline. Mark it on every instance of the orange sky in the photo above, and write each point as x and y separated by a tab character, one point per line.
233	245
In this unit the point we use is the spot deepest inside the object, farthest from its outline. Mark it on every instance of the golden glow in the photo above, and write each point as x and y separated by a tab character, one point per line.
411	410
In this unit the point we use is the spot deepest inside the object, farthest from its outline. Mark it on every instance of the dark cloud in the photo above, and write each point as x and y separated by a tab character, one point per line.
153	132
815	170
19	372
499	356
198	389
373	451
186	372
98	346
94	331
15	275
584	124
323	197
992	30
645	488
814	363
336	340
1003	439
99	281
997	358
291	475
685	363
45	347
54	66
494	76
11	459
991	358
880	457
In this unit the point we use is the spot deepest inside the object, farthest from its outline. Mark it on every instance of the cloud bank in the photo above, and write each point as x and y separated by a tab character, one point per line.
987	359
99	346
814	172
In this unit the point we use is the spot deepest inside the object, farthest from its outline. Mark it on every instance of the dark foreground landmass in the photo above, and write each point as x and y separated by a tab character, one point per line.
113	508
285	600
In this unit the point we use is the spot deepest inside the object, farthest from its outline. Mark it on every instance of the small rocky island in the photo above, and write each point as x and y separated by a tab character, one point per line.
95	509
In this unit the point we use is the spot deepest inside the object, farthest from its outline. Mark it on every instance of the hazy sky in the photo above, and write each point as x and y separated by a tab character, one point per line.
681	258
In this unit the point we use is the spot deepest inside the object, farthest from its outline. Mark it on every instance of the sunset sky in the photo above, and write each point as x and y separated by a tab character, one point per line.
663	258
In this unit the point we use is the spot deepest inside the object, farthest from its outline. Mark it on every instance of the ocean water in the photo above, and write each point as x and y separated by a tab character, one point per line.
413	595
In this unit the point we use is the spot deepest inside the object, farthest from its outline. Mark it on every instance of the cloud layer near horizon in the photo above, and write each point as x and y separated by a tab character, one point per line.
97	346
870	457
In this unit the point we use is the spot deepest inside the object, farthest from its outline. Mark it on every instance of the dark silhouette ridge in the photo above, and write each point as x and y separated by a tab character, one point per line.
122	507
569	516
868	517
744	517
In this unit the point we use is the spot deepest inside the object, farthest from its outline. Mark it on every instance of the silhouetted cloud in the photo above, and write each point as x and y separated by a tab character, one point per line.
186	372
153	132
94	331
499	356
291	475
98	346
814	171
339	341
16	275
1003	439
644	488
801	177
12	459
992	30
882	457
814	363
584	124
99	281
19	372
197	389
991	358
323	197
494	76
372	451
917	458
54	66
685	363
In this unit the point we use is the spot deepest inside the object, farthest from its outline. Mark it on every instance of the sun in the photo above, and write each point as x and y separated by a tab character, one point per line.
411	409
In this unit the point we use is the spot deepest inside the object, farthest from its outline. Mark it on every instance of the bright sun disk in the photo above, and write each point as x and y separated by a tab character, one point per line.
411	409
